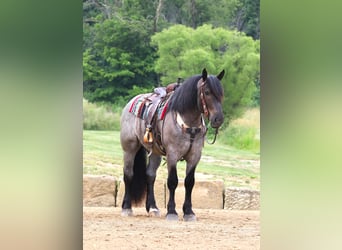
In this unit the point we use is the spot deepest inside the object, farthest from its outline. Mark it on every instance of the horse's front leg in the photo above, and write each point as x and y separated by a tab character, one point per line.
172	182
189	183
151	172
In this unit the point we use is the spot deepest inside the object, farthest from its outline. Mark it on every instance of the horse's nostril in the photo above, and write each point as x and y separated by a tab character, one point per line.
218	120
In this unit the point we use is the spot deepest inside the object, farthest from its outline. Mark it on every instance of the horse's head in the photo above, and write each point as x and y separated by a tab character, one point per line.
210	98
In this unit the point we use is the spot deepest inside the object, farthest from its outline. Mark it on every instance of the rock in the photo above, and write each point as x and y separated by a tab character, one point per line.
99	190
241	199
205	194
159	193
104	190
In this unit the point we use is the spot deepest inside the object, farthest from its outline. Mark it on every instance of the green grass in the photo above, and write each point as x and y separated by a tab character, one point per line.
241	137
244	133
102	154
100	117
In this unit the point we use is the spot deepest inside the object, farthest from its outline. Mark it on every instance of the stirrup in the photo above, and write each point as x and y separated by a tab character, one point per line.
148	137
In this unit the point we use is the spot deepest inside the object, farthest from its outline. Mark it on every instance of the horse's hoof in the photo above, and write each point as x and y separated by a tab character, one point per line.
189	217
154	212
172	217
127	212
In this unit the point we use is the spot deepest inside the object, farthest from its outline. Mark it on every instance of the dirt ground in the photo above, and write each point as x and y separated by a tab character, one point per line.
104	228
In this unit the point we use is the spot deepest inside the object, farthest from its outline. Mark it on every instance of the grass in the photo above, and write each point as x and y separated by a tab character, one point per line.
244	133
102	154
99	117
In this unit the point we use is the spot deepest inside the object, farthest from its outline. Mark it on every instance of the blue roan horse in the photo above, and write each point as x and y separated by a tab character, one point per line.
178	134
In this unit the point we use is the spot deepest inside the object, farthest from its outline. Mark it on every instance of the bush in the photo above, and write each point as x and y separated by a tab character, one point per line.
99	117
243	133
241	138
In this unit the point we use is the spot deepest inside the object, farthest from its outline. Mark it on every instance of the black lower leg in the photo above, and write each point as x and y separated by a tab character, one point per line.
189	184
127	202
172	182
150	199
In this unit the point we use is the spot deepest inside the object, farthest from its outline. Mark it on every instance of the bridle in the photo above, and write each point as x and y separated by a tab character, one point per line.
204	108
200	86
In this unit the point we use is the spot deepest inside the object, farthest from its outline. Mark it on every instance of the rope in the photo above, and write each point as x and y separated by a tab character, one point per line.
214	140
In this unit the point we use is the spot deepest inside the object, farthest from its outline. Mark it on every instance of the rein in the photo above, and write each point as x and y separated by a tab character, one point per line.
206	138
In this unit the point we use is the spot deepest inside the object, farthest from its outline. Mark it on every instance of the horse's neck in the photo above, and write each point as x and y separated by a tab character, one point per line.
192	119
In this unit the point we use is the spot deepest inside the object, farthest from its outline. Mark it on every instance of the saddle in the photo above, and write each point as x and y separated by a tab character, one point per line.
153	102
146	108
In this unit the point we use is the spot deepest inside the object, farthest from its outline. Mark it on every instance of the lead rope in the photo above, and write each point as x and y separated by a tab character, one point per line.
216	132
206	138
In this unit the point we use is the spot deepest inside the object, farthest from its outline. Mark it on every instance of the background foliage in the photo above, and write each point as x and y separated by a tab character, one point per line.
132	46
183	51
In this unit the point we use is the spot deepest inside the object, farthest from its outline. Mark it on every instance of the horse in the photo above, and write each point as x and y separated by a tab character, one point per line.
181	136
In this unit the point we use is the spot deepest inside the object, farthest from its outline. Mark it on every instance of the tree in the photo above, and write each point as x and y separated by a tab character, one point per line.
119	58
184	51
119	61
245	17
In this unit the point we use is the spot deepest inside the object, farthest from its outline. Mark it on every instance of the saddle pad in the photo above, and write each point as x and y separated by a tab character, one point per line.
141	107
138	106
162	109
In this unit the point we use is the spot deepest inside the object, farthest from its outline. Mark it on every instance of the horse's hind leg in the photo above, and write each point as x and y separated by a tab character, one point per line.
151	172
134	157
128	175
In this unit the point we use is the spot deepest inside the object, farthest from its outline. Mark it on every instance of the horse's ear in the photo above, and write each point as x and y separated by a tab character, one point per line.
220	76
204	74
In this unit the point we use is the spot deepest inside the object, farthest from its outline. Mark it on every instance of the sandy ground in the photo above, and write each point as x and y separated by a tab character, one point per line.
104	228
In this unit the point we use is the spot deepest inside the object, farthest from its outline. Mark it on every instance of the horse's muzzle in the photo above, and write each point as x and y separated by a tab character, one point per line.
216	121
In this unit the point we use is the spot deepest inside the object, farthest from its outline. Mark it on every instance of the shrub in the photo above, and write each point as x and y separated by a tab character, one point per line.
97	117
241	138
243	133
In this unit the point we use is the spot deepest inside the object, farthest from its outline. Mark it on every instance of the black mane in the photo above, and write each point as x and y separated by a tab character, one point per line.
184	99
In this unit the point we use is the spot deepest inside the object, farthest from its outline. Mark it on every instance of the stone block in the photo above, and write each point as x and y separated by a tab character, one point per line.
241	199
159	193
99	190
205	194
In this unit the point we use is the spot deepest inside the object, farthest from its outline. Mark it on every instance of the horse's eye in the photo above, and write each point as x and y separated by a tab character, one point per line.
207	92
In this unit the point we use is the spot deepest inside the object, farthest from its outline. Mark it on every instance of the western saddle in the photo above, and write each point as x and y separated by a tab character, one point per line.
153	102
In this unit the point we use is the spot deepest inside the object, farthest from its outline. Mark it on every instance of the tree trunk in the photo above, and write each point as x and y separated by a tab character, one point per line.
156	18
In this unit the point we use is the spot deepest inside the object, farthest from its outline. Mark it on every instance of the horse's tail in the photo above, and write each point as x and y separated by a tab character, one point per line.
139	181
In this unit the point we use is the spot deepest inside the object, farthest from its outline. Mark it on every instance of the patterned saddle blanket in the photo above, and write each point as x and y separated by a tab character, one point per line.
147	106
